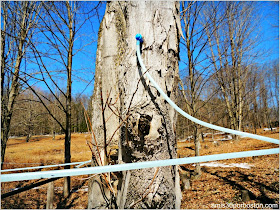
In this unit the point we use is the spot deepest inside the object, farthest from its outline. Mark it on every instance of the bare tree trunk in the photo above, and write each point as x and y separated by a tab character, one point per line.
53	135
190	12
232	38
28	136
148	132
14	90
26	18
67	155
3	51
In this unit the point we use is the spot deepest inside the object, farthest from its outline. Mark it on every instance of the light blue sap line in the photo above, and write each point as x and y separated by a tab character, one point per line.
48	166
132	166
200	122
83	163
150	164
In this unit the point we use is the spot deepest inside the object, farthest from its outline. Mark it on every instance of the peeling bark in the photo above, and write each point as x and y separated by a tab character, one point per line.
148	133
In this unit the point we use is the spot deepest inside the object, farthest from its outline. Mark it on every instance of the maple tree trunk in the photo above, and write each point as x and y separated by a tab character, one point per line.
146	120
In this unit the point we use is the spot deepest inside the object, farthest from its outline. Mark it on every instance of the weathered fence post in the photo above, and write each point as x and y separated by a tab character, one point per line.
50	195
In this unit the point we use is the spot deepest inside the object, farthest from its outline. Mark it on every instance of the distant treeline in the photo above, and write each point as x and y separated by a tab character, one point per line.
30	116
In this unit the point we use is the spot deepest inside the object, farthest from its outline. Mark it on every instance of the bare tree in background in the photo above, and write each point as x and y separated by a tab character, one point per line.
60	25
19	23
28	114
31	118
252	99
261	97
231	47
52	52
273	85
190	14
194	44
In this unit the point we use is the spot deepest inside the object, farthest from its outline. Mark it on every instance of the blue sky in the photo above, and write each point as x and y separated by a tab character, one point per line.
270	28
84	61
267	15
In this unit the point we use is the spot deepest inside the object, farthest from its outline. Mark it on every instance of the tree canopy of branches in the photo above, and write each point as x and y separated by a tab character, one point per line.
19	23
51	32
221	78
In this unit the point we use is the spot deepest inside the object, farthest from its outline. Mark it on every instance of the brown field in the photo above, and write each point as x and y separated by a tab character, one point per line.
217	185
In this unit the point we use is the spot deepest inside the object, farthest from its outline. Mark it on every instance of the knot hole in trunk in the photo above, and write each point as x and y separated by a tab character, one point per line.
144	125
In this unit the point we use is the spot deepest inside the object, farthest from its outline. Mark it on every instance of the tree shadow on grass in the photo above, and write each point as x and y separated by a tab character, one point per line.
261	186
68	202
20	201
263	198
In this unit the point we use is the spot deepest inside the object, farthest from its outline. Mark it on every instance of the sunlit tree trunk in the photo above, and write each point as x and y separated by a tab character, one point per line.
147	130
23	20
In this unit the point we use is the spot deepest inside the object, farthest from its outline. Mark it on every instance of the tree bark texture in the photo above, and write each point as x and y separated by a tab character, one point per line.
14	89
149	131
67	144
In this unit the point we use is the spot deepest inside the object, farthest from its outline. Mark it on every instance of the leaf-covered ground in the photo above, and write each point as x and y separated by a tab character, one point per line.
218	187
223	186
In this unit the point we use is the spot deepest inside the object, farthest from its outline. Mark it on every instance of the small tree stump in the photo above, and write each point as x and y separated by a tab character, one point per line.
185	179
216	143
245	195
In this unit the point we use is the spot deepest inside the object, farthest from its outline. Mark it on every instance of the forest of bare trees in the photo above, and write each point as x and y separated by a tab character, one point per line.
214	66
224	82
38	49
33	119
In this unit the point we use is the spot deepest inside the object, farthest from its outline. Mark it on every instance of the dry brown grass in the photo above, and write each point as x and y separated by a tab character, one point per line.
43	150
216	185
186	149
219	185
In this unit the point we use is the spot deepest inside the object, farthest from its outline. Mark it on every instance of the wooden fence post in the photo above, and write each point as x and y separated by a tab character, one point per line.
50	195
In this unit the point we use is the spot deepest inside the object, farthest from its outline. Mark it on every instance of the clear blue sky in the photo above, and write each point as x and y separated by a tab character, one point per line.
84	61
269	26
267	33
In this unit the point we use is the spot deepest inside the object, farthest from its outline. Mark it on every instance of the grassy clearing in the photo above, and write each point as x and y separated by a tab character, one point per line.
42	150
215	186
